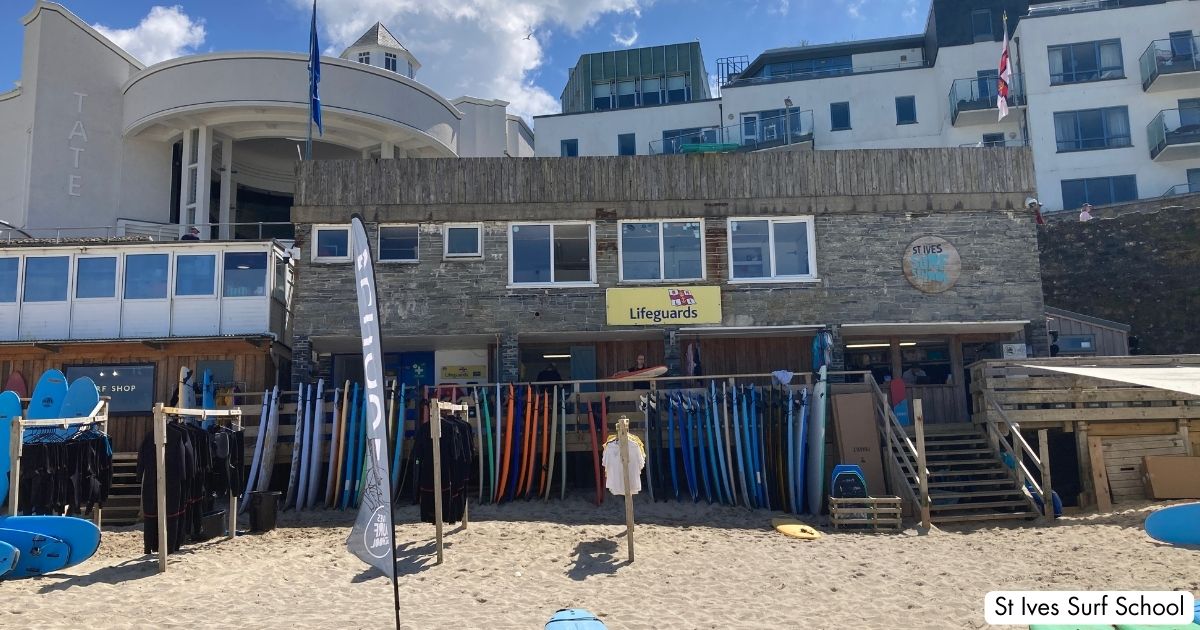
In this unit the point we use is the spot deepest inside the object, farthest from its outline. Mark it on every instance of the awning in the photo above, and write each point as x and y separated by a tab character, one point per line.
344	344
1176	379
748	331
932	328
586	336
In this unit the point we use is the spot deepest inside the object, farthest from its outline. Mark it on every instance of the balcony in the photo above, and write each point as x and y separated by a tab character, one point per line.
781	133
1072	6
1171	64
973	101
826	73
1174	134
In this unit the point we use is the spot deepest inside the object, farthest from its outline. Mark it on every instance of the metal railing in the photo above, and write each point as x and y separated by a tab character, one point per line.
133	229
980	93
1072	6
1173	126
1181	189
809	75
1169	56
1016	142
752	134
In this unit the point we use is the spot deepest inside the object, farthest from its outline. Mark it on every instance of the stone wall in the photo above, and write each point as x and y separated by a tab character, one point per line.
1141	267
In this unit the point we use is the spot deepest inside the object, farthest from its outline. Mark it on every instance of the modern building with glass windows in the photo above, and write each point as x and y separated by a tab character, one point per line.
96	143
1106	92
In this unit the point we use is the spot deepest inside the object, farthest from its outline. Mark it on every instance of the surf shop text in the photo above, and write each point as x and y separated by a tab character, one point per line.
657	315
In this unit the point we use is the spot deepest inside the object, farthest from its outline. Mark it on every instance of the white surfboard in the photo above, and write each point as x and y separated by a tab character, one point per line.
269	442
316	444
256	459
298	433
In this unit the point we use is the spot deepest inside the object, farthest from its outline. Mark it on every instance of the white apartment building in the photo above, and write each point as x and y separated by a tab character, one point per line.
95	142
939	88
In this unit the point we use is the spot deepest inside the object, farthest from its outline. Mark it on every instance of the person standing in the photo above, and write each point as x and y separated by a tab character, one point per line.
638	365
1085	213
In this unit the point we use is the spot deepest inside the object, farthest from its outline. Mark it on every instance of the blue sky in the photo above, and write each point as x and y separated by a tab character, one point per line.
477	47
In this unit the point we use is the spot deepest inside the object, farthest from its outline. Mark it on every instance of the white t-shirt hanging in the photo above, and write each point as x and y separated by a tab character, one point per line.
613	479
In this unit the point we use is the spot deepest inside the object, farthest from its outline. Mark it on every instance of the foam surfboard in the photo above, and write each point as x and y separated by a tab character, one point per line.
398	450
316	443
81	399
1177	525
269	442
187	393
38	553
719	429
16	383
10	409
815	474
8	558
299	482
799	446
738	449
649	372
209	391
47	399
81	535
791	452
574	619
338	452
256	459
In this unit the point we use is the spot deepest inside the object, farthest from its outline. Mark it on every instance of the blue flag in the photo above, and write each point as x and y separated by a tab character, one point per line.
314	72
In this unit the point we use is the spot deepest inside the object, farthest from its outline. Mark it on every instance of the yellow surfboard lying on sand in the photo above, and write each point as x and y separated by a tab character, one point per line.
794	528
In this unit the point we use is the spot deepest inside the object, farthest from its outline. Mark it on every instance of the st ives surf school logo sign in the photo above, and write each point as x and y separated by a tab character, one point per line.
931	264
655	306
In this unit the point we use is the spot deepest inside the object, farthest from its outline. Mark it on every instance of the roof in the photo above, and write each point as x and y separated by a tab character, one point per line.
832	50
1087	319
378	35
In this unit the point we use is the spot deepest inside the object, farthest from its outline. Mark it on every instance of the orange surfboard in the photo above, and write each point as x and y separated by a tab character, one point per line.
506	451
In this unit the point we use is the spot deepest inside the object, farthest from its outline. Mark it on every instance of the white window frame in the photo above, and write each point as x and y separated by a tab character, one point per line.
329	259
117	269
772	278
364	57
446	255
394	261
662	259
591	225
218	272
394	61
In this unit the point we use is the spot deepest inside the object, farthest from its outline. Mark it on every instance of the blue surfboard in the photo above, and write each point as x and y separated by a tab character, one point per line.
671	416
8	558
10	409
574	619
81	399
815	463
47	399
801	446
1177	525
209	395
38	554
81	535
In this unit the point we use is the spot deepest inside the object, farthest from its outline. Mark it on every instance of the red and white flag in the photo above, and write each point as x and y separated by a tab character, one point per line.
1005	78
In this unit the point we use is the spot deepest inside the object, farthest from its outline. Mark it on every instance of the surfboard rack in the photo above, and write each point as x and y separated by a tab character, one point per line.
436	407
98	416
161	413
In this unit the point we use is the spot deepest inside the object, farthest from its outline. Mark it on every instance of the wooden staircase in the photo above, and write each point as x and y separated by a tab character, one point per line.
124	501
968	481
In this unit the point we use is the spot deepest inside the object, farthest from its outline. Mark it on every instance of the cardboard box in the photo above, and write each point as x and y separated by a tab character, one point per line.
1172	477
858	438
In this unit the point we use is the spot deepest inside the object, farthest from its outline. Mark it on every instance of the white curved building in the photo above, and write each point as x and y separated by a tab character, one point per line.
96	143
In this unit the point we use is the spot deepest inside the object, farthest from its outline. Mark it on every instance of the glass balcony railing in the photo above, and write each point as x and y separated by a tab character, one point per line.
825	73
1169	56
1072	6
980	94
1015	142
753	134
1173	127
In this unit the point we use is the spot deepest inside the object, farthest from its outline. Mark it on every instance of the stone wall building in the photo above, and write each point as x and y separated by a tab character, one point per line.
493	270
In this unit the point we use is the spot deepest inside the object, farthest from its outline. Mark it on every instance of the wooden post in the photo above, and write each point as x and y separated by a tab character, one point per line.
1085	465
435	432
623	447
1099	474
14	457
1047	491
957	379
160	462
233	497
922	474
1185	436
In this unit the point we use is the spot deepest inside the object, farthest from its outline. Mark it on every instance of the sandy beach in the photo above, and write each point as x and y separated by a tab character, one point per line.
697	566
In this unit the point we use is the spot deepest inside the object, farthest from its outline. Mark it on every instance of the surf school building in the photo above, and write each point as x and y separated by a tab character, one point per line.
918	261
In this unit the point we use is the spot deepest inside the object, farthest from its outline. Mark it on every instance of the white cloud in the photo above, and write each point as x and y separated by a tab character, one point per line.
780	8
853	7
165	33
625	35
910	10
473	47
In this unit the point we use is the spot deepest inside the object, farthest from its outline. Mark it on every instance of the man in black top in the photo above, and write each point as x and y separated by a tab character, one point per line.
549	374
192	234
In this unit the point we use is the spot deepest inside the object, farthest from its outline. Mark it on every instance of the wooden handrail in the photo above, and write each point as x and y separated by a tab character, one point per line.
1043	463
908	457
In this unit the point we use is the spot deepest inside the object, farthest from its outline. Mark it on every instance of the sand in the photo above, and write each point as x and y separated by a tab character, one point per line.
697	566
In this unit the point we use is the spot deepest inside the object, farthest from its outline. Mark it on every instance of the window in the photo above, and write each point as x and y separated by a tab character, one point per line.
839	116
1098	191
1087	61
389	61
626	94
771	249
245	274
601	96
364	57
281	290
46	278
651	91
463	241
987	83
146	276
677	90
8	279
662	250
195	274
906	110
568	148
993	139
1077	344
810	68
331	243
398	243
981	25
550	253
675	139
626	144
95	277
411	74
1084	129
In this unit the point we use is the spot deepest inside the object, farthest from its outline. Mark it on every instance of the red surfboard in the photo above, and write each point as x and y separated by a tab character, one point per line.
595	456
650	372
16	384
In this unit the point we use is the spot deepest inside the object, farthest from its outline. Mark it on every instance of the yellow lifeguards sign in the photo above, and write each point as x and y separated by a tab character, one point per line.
655	306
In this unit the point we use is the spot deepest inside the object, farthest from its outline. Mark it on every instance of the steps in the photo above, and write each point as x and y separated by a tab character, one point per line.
124	500
968	481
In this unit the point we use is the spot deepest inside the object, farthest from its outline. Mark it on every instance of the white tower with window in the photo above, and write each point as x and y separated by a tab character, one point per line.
378	47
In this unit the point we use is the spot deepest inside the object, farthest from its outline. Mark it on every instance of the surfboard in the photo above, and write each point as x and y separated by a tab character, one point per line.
815	473
574	619
649	372
793	528
734	404
305	443
46	401
672	466
727	445
81	535
756	446
562	492
529	454
551	453
16	383
547	430
331	451
685	433
1177	525
256	459
602	436
209	400
505	446
706	454
297	447
802	450
38	554
269	442
10	409
714	410
82	398
398	449
351	440
595	455
791	452
316	444
8	558
346	414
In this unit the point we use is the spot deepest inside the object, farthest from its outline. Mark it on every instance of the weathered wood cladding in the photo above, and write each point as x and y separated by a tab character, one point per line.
904	174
